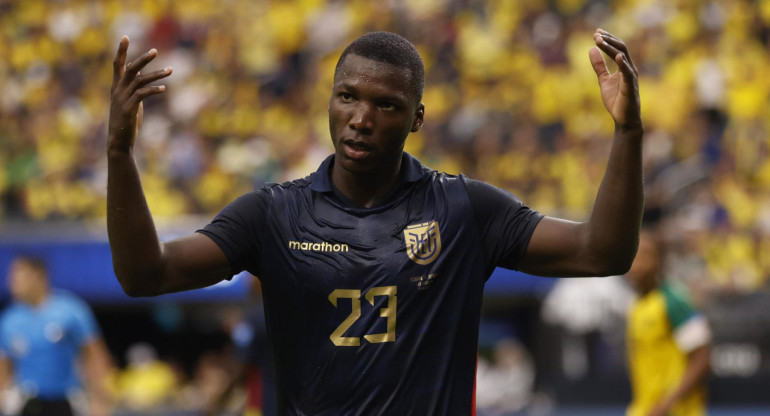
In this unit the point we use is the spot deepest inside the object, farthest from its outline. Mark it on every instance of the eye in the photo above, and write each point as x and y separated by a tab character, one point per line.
387	106
347	97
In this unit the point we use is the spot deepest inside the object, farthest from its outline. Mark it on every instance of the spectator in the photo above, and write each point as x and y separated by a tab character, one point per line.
147	382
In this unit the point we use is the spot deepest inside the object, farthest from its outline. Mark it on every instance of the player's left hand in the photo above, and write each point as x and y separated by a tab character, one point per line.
620	91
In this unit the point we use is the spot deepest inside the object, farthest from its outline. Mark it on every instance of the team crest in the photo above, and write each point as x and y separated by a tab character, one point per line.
423	242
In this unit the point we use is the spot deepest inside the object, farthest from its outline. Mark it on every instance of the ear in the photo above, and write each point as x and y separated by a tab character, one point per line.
419	115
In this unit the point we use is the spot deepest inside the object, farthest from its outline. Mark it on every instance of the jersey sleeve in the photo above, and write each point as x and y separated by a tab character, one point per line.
691	329
236	230
505	224
4	338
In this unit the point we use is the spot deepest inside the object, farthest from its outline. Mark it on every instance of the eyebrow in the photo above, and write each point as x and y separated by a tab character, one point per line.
396	98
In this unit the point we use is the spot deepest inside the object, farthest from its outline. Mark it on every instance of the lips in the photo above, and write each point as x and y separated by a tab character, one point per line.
356	149
356	144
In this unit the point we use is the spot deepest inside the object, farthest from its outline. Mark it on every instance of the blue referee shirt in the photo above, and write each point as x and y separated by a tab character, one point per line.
44	341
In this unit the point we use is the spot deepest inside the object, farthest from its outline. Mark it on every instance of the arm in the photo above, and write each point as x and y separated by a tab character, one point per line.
96	369
695	374
605	244
6	373
6	379
143	264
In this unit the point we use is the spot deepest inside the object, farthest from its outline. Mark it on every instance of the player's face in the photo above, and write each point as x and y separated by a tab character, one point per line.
371	111
24	281
643	274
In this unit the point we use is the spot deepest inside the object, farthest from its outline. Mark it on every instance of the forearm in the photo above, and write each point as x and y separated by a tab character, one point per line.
613	229
6	374
97	368
6	380
695	374
137	253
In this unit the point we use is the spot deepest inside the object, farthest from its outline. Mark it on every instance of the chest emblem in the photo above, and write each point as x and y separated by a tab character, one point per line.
423	242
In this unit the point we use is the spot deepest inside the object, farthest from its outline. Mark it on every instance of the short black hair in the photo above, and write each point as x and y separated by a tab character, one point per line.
389	48
37	263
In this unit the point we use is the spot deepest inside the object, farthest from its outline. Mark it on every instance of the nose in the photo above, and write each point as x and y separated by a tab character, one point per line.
362	119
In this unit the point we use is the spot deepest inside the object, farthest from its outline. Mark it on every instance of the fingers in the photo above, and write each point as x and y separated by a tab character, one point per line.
143	93
602	44
617	44
617	50
597	62
143	79
129	85
118	65
625	67
133	67
128	74
612	40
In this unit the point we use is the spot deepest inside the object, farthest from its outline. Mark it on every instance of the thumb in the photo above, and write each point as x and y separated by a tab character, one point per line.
139	116
597	61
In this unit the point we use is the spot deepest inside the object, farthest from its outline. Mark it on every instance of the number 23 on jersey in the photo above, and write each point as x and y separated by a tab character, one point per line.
388	312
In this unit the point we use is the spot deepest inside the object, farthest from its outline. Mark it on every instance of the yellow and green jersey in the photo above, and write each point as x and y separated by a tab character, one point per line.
663	328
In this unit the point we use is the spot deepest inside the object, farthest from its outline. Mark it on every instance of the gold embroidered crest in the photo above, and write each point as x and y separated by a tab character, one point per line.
423	242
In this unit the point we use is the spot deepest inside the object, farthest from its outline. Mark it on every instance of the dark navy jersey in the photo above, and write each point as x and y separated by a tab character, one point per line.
374	311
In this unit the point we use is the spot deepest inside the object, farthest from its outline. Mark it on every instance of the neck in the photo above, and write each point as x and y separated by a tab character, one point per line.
366	188
645	290
38	298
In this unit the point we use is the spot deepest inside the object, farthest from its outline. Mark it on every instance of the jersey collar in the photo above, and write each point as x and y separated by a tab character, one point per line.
321	181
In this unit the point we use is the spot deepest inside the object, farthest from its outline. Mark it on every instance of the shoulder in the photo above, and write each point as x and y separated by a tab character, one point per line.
295	184
449	188
270	191
675	295
678	304
61	298
10	313
64	296
442	179
417	172
265	195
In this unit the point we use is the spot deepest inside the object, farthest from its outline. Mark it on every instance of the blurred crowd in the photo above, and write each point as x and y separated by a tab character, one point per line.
150	384
510	99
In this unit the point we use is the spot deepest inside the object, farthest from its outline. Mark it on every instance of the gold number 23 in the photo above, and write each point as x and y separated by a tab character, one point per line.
389	312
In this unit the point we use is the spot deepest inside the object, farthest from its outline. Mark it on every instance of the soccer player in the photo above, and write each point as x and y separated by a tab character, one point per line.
43	334
668	343
373	267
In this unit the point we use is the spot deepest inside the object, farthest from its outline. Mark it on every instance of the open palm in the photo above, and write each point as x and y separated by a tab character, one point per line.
129	88
620	91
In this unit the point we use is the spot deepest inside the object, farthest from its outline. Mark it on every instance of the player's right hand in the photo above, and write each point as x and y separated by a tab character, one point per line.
129	88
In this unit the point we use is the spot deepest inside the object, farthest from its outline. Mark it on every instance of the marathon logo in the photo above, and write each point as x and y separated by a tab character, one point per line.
323	246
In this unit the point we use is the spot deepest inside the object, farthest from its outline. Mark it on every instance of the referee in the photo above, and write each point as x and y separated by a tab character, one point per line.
43	335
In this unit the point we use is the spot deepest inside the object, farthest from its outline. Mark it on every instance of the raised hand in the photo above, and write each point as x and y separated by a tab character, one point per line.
129	88
620	91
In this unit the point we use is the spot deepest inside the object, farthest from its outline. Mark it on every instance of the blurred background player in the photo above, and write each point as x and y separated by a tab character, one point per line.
253	365
43	333
668	342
